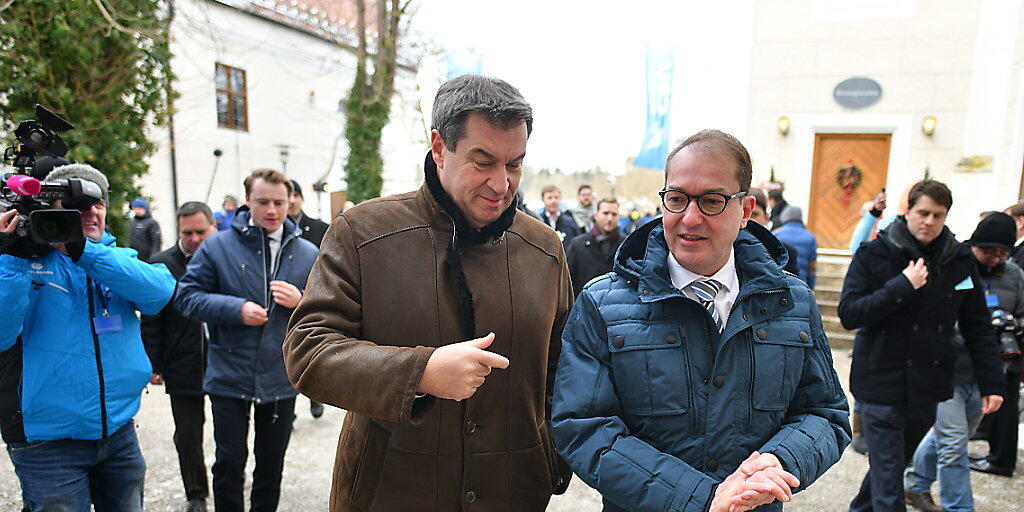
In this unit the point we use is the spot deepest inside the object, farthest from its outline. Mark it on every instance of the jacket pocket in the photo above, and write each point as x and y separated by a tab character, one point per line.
650	369
778	350
371	462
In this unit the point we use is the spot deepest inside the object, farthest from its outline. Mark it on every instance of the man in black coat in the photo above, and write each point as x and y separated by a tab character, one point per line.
144	236
177	350
561	221
905	291
592	254
313	229
1017	212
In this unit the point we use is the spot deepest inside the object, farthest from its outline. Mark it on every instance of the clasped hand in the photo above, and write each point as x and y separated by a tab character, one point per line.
758	481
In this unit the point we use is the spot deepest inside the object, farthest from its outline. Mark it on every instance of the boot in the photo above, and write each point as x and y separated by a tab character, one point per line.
859	444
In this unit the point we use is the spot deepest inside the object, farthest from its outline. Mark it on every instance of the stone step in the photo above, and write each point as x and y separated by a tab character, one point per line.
832	323
840	340
827	293
830	281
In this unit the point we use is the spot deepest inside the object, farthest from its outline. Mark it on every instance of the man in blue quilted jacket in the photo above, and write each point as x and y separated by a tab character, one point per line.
245	283
73	366
696	375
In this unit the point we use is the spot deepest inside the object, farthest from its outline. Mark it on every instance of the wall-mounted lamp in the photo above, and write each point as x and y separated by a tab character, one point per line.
928	125
783	125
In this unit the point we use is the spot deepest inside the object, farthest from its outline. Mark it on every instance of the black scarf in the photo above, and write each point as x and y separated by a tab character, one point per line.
465	236
936	254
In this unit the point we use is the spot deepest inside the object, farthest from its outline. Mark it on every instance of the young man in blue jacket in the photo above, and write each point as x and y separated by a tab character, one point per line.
697	376
73	364
244	283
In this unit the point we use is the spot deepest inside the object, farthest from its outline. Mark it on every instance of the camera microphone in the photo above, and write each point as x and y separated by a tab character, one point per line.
23	185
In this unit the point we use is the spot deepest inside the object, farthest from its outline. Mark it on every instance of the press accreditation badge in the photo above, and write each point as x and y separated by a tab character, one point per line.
109	323
992	300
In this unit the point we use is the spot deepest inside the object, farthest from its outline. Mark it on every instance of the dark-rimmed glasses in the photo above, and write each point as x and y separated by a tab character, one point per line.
709	203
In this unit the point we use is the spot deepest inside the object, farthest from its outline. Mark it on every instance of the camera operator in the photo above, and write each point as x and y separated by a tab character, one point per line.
73	365
943	452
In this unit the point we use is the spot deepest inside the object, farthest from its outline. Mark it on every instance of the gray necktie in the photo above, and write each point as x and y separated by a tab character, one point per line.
706	290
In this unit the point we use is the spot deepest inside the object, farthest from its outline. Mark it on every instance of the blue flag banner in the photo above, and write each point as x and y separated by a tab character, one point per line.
463	62
660	68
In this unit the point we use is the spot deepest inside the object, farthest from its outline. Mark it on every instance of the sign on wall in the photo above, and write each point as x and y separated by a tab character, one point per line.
857	93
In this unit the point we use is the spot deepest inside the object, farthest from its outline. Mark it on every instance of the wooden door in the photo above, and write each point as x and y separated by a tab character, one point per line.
835	210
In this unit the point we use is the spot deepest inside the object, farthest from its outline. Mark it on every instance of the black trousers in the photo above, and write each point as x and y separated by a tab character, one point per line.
893	433
273	425
189	417
1002	436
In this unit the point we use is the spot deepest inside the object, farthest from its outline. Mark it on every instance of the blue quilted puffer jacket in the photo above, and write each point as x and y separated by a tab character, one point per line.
653	408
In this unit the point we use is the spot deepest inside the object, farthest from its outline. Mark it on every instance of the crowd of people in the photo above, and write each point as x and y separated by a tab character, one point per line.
485	354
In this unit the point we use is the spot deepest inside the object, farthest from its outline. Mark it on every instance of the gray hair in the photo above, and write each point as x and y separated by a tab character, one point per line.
81	171
194	207
494	99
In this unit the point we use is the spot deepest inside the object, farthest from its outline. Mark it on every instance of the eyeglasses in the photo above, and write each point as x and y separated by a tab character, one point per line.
995	252
709	203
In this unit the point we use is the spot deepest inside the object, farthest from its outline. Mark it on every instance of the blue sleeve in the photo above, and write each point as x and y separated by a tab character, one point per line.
149	287
862	231
590	434
14	288
197	298
816	428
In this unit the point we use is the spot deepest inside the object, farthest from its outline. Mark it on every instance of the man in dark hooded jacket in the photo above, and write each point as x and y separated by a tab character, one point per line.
697	376
905	290
144	236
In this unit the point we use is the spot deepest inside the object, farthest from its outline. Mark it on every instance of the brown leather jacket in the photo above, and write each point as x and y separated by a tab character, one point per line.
379	298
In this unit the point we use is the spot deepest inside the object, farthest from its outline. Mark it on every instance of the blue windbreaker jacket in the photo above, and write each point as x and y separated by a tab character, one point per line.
653	408
228	269
77	383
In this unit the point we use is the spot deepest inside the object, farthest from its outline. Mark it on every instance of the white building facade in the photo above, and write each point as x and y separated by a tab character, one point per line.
264	82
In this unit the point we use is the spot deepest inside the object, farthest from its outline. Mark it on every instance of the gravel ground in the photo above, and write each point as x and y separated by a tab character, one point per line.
307	474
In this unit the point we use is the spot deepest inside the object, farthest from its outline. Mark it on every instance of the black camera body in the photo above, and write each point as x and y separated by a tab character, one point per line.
1008	329
40	224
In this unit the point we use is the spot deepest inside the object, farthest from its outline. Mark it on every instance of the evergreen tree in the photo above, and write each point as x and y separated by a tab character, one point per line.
100	64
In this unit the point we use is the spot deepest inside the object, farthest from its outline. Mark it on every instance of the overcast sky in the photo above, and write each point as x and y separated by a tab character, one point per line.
581	66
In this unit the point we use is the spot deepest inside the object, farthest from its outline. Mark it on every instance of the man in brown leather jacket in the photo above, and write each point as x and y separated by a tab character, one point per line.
415	299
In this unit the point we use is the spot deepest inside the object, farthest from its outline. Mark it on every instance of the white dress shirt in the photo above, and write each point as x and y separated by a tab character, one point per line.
681	278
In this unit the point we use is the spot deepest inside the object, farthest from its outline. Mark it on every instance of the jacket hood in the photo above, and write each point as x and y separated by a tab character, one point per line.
759	256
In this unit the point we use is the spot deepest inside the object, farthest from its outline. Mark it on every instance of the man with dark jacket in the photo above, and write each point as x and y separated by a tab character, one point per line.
1016	211
697	376
144	236
942	454
245	283
760	216
905	291
557	219
72	364
310	228
177	350
592	253
413	302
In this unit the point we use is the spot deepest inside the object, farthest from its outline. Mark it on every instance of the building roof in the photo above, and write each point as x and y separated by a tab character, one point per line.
334	20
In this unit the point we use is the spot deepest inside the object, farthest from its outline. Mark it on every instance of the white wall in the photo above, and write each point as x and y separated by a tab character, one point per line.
295	83
958	60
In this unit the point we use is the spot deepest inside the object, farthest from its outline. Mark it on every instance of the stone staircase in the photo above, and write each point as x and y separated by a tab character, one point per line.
827	288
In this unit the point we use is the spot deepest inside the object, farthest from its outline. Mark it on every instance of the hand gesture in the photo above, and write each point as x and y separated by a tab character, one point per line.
991	403
253	314
455	371
9	221
879	203
285	294
762	488
156	379
917	273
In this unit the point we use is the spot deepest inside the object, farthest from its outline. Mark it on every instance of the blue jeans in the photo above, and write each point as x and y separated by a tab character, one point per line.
943	452
67	475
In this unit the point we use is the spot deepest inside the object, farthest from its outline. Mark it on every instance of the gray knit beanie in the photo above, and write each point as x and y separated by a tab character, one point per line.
82	171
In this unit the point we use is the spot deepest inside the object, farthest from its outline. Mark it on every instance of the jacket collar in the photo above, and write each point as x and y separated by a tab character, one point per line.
760	258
